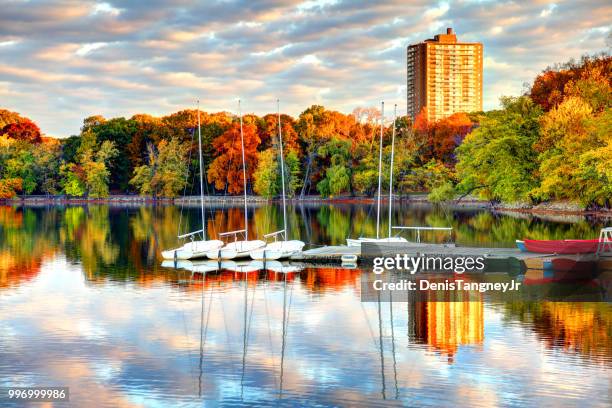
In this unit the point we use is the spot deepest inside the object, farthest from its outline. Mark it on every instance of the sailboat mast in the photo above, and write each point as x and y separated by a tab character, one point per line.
391	167
201	177
382	124
282	161
246	223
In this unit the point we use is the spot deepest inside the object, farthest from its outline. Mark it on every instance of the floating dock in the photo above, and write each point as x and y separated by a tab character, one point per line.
335	253
496	259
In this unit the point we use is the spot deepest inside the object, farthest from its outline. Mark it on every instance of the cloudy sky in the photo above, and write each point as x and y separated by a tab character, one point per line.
61	61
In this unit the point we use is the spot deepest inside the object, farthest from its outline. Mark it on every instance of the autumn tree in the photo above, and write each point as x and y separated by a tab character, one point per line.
9	187
182	123
448	133
268	133
91	122
551	86
569	165
7	117
315	127
166	170
25	130
149	129
225	171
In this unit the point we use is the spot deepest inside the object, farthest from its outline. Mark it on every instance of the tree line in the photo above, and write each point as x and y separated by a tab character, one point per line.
552	143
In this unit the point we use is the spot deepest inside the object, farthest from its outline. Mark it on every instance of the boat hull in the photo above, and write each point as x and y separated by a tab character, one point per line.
568	246
235	250
578	265
278	250
193	250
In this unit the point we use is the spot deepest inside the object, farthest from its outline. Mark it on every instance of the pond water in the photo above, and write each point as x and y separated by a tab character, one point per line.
85	303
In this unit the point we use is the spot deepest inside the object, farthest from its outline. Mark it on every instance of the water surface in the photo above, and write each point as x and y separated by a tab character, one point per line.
85	303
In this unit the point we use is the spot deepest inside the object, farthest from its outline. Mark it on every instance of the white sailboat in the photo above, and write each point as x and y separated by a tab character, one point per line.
390	239
195	248
238	248
282	248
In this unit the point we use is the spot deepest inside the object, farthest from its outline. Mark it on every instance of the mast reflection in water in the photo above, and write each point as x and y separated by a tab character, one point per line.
85	303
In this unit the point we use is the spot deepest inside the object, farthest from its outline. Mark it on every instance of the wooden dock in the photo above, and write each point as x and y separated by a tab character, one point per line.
496	259
335	253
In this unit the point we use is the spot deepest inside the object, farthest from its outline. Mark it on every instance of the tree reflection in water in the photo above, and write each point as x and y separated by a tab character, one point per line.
123	244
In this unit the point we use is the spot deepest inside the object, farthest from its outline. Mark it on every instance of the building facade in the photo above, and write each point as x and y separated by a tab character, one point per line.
444	76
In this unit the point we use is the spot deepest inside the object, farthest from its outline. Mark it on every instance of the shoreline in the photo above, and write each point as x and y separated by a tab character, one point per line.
552	208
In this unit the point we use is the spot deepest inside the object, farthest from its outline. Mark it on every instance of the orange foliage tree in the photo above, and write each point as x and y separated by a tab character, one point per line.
25	130
550	87
447	134
225	171
268	133
9	187
438	140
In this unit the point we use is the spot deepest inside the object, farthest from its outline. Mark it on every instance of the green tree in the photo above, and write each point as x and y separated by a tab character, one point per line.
266	175
431	176
72	179
293	171
95	165
69	148
90	174
22	166
338	174
47	158
497	159
166	169
120	132
365	176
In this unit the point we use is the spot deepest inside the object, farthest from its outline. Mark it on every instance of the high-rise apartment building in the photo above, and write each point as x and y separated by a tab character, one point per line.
445	76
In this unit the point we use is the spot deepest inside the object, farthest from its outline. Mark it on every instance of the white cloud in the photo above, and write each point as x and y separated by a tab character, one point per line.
87	48
547	11
310	59
89	58
105	8
439	11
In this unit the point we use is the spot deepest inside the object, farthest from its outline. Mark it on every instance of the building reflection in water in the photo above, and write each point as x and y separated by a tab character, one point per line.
444	326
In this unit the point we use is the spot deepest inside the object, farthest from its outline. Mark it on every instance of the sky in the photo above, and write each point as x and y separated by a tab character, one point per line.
64	60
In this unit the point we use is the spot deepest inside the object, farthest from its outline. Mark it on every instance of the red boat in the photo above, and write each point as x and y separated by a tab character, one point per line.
566	246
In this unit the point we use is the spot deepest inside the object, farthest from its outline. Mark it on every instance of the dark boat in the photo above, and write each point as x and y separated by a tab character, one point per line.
566	246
